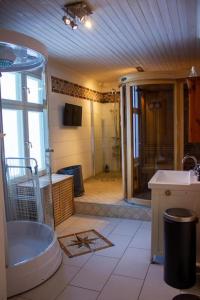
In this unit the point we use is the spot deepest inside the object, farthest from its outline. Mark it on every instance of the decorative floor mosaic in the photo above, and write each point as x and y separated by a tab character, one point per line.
83	242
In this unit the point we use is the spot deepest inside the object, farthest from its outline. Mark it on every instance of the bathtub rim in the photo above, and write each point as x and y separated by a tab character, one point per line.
54	237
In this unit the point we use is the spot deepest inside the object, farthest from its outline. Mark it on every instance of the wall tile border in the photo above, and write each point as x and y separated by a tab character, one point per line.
65	87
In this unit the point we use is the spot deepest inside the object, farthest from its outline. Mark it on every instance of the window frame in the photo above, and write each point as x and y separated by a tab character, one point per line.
25	106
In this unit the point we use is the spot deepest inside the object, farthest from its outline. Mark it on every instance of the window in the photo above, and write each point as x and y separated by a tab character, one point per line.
11	86
23	118
34	90
36	137
13	126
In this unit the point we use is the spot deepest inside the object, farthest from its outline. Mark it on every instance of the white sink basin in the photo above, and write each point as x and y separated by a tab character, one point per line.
172	177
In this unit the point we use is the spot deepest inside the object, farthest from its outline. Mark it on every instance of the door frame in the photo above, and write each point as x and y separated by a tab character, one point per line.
127	135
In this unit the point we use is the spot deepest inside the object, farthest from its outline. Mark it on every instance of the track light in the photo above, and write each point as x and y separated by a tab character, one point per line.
73	25
77	12
82	19
66	20
88	24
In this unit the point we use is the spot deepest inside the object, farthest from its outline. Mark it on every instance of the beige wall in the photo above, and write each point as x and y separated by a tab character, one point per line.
71	145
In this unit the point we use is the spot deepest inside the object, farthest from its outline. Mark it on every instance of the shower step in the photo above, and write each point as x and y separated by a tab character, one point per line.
124	210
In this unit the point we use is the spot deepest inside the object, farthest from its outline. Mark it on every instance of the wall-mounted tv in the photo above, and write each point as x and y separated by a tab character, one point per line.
72	115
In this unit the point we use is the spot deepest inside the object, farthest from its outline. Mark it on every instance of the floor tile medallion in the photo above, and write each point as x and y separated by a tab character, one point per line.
83	242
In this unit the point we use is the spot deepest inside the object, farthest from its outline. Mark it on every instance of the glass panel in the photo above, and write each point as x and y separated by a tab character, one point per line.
13	128
36	137
34	90
19	58
135	97
136	135
11	86
152	134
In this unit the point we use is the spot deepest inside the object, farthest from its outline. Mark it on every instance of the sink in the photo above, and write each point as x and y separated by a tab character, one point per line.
174	179
170	177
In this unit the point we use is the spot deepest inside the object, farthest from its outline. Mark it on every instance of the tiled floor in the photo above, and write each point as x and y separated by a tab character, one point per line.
103	188
120	272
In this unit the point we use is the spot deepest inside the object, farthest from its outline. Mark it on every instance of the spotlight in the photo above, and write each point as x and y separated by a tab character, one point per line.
82	19
88	24
73	25
66	20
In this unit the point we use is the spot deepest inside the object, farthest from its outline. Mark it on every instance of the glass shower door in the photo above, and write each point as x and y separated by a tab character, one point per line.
152	134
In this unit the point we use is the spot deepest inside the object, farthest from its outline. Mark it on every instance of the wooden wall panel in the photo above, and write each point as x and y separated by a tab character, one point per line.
194	109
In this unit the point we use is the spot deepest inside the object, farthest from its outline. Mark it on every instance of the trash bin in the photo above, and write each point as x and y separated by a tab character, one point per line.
76	171
180	248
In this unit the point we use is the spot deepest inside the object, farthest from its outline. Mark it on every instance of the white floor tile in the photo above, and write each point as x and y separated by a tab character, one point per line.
107	229
50	289
134	263
95	273
142	239
146	225
75	293
119	287
120	244
155	287
81	223
127	227
78	261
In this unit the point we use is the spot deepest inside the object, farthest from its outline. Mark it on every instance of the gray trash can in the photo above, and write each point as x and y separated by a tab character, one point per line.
180	249
76	171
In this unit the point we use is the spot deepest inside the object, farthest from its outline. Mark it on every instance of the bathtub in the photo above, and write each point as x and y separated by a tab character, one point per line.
33	255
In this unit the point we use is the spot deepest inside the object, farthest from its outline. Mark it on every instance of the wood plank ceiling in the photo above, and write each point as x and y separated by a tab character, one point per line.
154	34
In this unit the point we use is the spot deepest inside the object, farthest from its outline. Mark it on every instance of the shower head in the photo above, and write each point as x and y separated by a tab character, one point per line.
7	56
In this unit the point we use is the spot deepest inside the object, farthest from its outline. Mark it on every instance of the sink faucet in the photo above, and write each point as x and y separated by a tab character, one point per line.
189	157
196	167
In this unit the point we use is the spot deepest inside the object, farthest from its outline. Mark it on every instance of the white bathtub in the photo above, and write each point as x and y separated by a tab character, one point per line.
33	255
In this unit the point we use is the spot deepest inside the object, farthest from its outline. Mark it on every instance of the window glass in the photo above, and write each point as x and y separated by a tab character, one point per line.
34	90
36	137
13	128
11	86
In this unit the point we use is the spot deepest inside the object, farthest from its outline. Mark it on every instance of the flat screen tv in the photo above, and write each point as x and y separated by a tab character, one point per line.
72	115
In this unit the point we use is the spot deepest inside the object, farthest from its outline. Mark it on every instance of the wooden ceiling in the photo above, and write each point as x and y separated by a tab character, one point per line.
154	34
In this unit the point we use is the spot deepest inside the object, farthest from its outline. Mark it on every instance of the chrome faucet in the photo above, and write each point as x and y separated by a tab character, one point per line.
190	157
196	168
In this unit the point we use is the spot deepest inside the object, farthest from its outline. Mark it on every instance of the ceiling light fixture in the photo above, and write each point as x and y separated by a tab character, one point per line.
73	25
77	12
139	69
88	24
193	72
66	20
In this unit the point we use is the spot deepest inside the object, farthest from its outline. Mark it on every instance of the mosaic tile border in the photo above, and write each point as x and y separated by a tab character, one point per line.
65	87
125	210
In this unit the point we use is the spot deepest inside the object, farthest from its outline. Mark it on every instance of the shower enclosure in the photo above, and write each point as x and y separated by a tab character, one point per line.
147	136
25	156
107	146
